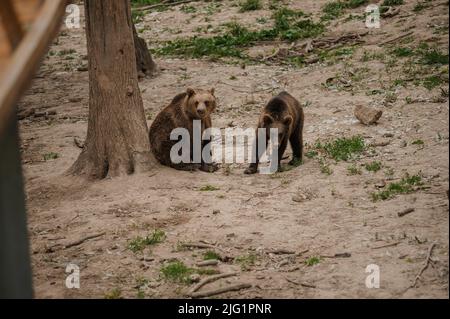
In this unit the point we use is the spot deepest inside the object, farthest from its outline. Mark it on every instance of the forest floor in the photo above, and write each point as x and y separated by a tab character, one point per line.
280	232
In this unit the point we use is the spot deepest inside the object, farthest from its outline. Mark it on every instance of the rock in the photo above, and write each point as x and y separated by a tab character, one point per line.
379	143
194	278
216	211
367	115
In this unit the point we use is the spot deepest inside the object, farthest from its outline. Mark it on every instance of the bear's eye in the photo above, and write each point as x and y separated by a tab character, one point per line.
206	103
196	103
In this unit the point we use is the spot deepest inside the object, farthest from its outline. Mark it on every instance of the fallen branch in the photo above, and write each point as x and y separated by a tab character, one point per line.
200	245
162	4
303	284
211	279
211	262
338	255
82	240
387	245
427	262
397	38
220	290
405	212
282	252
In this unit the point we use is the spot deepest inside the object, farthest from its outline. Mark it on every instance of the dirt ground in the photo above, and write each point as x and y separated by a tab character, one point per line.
248	218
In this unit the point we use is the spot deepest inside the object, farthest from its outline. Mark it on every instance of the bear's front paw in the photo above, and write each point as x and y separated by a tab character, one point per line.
251	170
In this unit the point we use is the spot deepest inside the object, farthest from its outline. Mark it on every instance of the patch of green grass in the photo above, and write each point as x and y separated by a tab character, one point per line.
177	271
115	293
387	3
50	156
250	5
421	6
188	9
325	167
353	170
207	271
210	254
418	142
66	52
343	149
139	243
289	25
336	54
433	81
209	188
311	154
432	56
137	16
373	166
311	261
405	186
335	9
370	56
144	2
246	261
402	52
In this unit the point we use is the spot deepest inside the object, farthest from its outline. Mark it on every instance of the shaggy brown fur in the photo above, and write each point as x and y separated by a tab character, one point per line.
184	108
285	113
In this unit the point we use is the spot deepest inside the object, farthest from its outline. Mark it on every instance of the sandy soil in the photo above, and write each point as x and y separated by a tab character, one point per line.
302	210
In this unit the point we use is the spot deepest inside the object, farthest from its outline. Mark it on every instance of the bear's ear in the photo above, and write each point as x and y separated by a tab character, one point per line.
190	92
267	119
212	90
287	120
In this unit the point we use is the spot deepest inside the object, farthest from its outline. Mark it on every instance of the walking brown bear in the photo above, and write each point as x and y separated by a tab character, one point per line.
186	107
284	113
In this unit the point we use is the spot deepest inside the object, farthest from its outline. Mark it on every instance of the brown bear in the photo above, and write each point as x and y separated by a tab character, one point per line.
284	113
180	113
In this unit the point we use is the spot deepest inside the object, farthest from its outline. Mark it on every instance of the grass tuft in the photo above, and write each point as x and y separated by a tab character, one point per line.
139	243
405	186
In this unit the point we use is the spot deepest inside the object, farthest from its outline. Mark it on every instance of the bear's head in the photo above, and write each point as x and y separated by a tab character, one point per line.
200	103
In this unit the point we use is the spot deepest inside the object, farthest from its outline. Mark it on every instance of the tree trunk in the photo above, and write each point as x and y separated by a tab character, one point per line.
117	139
144	61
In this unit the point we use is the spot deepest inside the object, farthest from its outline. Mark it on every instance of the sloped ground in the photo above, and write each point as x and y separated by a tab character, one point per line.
318	209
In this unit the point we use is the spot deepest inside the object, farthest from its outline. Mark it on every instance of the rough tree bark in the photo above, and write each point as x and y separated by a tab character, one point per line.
117	139
144	60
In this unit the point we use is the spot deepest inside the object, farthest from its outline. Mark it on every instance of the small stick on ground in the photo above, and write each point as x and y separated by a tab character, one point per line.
82	240
220	290
200	245
282	252
397	38
211	262
211	279
338	255
425	266
405	212
164	3
387	245
303	284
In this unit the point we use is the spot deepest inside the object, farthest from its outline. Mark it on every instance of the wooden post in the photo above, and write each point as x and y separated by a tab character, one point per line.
15	269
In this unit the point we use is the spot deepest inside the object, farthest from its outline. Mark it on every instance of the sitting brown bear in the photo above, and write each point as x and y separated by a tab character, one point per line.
180	113
284	113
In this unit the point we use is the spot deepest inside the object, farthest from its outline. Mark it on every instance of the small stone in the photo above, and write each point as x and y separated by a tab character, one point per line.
216	211
194	278
367	115
380	184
